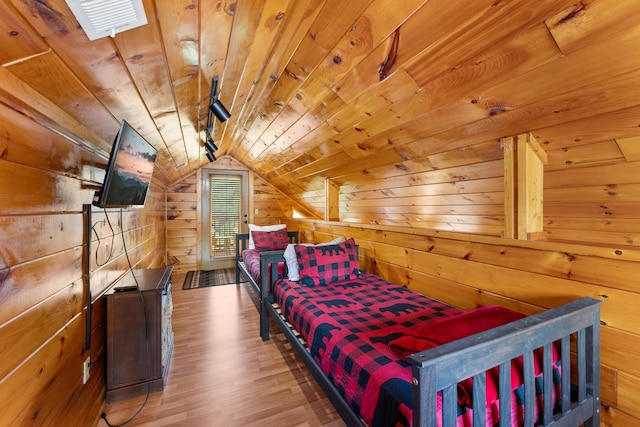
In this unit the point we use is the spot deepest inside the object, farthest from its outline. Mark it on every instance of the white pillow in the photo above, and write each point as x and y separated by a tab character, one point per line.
290	258
253	227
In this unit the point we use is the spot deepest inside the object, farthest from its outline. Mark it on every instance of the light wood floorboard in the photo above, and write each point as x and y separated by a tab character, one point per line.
222	374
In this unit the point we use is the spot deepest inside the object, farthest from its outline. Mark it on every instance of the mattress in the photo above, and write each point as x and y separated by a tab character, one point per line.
349	328
251	259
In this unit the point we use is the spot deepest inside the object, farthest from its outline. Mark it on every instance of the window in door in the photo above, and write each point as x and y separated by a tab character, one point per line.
223	214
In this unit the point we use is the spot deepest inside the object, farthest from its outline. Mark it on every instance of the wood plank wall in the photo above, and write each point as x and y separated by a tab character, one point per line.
46	176
598	203
182	236
267	206
596	200
469	271
458	190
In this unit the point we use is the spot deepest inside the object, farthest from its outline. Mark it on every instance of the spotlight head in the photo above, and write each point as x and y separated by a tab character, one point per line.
218	110
210	146
211	157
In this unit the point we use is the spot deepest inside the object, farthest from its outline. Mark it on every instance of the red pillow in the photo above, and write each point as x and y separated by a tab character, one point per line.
321	265
270	240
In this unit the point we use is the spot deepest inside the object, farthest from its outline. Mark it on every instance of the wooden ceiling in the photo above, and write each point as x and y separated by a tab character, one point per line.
348	91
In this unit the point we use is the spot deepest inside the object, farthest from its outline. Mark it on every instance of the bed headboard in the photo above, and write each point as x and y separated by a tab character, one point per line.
242	242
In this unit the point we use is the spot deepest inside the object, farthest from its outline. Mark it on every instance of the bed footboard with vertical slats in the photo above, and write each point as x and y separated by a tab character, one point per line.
439	370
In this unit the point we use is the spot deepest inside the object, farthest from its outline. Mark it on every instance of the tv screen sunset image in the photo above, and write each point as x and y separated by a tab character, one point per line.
135	157
132	172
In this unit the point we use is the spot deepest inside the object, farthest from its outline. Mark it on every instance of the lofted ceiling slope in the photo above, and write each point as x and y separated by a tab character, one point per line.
357	92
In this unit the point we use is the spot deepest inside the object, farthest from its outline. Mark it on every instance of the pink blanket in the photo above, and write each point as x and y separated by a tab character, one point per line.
448	329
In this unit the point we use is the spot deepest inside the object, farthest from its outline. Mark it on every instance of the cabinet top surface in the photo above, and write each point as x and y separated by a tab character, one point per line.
147	279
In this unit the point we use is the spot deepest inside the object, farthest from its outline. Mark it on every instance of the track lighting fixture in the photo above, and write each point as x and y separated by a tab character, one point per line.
222	114
210	145
215	106
218	110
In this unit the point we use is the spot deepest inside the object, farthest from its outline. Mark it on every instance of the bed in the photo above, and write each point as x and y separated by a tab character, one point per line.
363	339
248	256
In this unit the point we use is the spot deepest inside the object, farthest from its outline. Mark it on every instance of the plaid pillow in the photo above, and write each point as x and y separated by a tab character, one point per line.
253	227
270	240
321	265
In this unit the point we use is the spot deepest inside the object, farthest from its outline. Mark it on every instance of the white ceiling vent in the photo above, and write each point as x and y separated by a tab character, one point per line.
102	18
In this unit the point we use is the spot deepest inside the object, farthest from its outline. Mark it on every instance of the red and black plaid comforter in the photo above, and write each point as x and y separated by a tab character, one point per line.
251	259
345	325
348	326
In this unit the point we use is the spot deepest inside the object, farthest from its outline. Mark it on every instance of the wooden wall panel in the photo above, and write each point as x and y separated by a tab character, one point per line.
591	202
269	205
42	293
24	41
56	85
594	203
581	25
182	238
142	52
469	271
446	192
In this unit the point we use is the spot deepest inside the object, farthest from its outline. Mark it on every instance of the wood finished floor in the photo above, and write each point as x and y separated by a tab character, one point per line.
222	374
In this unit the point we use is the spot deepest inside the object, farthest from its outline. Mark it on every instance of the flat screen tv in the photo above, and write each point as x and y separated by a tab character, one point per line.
129	171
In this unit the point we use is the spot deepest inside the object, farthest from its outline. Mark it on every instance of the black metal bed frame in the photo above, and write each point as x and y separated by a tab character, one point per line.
575	325
242	243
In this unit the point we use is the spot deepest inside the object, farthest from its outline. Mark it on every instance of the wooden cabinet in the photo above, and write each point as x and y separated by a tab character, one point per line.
139	333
